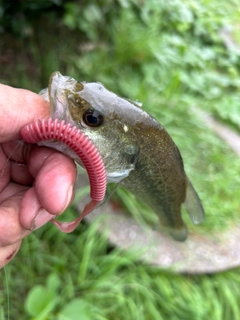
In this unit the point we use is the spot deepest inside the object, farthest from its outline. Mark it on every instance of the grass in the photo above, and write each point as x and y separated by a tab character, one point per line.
101	282
160	56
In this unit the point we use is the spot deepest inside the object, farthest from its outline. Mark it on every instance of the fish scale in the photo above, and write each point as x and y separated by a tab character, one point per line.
162	191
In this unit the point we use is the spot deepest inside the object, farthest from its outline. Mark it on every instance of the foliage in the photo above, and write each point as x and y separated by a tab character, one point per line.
88	277
180	40
41	302
18	16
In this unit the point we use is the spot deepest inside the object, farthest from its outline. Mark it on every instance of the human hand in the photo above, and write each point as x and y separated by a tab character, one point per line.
36	183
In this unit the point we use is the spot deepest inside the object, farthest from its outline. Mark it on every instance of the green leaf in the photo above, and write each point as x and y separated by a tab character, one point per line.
76	309
53	283
37	300
41	300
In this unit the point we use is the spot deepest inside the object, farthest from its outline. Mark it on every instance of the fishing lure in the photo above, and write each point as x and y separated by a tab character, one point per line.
49	129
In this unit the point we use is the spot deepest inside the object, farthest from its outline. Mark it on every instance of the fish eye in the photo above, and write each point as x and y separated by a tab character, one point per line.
93	118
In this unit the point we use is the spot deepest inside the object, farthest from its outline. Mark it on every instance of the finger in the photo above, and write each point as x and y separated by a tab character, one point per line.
19	107
17	150
11	190
32	216
19	174
12	224
8	252
11	230
17	153
55	178
4	170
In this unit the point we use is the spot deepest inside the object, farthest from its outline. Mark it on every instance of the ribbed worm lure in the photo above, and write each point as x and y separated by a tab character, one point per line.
49	129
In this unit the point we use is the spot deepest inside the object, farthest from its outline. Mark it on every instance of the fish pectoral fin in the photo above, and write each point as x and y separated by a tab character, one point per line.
193	204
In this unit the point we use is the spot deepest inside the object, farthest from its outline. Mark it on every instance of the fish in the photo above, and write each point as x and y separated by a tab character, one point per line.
137	151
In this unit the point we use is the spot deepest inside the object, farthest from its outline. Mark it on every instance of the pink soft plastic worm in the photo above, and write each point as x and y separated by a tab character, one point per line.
48	129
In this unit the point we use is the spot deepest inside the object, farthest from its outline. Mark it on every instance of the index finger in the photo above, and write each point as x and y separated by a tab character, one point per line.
19	107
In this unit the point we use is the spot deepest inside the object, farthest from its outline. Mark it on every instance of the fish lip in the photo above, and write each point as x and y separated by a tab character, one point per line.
57	98
53	84
57	107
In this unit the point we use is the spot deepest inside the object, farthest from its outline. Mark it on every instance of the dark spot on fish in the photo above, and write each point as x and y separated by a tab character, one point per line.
78	87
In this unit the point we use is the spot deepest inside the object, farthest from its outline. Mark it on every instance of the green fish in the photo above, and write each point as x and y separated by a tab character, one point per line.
136	150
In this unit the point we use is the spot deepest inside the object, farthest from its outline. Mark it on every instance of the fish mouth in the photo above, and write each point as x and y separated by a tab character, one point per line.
58	96
57	102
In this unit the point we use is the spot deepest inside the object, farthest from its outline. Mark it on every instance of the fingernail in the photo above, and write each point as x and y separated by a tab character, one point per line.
69	197
41	218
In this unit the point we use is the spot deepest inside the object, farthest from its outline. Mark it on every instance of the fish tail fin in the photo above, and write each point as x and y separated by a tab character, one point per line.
193	204
179	234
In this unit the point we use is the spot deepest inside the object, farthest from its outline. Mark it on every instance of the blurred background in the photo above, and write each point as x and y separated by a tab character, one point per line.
179	58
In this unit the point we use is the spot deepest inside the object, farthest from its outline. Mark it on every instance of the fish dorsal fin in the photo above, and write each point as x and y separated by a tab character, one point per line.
193	204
